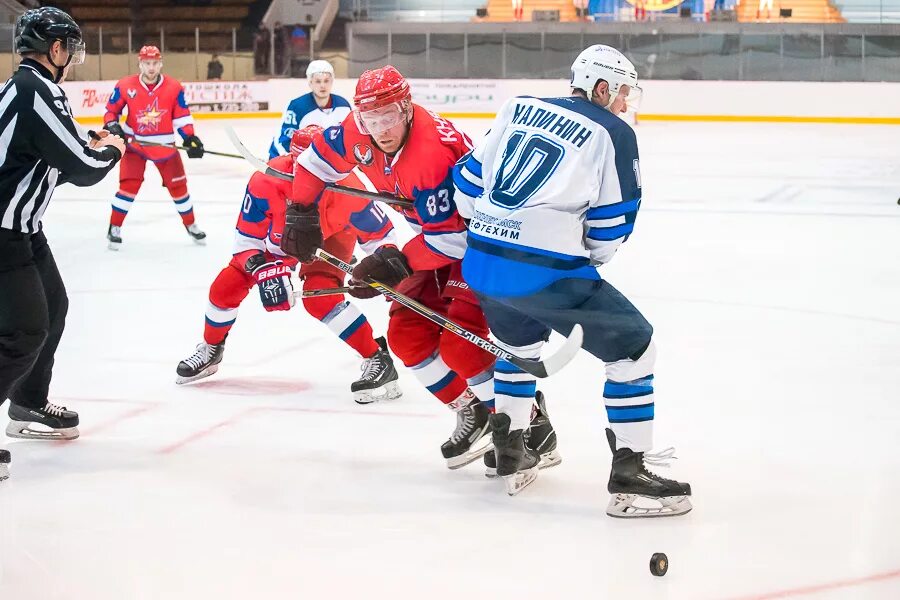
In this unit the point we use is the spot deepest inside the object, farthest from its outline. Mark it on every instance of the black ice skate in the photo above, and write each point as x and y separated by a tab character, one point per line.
4	464
539	437
516	463
471	439
114	237
379	378
51	422
198	236
636	492
202	363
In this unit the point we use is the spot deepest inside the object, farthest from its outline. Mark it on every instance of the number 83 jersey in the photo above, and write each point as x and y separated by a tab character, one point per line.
551	192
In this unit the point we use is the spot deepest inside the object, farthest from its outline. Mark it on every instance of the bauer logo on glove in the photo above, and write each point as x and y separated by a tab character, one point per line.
273	278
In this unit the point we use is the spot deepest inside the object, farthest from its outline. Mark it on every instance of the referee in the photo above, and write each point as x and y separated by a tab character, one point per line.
41	147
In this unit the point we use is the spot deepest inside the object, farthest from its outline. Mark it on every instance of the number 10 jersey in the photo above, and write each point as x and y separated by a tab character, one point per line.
551	192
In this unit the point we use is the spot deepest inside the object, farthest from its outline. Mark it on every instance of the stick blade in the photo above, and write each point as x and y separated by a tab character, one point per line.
555	363
258	163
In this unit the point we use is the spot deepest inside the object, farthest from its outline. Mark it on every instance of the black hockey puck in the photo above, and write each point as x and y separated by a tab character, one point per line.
659	564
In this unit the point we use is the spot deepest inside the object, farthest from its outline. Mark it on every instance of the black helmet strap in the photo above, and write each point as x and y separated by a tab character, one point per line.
59	69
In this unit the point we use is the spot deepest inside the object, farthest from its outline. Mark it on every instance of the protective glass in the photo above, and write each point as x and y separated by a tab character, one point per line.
373	122
76	50
632	99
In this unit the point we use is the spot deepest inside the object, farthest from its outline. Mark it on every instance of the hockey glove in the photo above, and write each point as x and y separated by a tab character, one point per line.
302	232
387	265
273	278
194	146
114	128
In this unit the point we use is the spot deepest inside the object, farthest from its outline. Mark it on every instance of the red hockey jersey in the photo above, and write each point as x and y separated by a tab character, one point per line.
154	113
261	222
420	171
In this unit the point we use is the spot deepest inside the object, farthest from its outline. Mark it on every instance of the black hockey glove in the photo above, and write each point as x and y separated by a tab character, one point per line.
387	265
194	146
114	128
302	232
273	278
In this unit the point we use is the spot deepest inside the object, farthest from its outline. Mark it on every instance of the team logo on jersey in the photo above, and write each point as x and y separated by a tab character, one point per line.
131	93
149	118
363	154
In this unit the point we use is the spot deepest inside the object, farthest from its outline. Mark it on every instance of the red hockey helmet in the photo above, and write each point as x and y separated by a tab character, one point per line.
149	53
382	100
303	138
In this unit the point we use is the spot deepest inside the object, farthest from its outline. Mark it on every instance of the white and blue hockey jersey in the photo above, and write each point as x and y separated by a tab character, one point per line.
551	192
304	111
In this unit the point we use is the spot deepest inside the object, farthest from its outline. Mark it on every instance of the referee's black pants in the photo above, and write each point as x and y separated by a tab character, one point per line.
33	306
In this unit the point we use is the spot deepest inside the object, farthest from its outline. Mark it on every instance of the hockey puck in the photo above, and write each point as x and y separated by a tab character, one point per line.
659	564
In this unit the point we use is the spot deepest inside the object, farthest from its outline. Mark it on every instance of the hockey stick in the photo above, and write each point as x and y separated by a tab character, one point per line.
174	147
317	293
261	165
538	368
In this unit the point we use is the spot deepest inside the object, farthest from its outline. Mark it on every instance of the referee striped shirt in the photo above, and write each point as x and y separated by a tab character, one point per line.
41	147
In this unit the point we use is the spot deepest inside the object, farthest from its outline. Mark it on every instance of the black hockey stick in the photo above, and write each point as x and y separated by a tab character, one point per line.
261	165
184	149
324	292
538	368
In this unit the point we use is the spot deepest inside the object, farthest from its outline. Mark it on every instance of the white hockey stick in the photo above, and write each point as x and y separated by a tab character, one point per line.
538	368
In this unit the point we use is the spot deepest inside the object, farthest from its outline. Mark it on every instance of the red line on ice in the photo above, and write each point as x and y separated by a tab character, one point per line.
824	587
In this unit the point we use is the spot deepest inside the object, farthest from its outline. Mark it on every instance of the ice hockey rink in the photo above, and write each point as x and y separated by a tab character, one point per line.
768	258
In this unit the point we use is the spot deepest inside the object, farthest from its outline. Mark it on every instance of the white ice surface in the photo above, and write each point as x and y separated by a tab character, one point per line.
768	259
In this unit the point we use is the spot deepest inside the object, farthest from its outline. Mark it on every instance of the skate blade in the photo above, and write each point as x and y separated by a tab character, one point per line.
550	459
481	447
389	391
24	431
4	472
632	506
114	246
210	370
199	242
520	480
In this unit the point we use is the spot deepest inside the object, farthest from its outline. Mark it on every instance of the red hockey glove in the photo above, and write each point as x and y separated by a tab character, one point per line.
387	265
273	279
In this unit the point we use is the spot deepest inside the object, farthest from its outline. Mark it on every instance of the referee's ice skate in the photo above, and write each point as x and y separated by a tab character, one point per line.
540	437
51	422
636	492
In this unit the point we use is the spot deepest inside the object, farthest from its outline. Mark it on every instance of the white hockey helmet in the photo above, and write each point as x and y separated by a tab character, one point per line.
319	66
605	62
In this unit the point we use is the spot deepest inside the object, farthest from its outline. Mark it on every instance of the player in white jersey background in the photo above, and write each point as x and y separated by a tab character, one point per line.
318	107
551	193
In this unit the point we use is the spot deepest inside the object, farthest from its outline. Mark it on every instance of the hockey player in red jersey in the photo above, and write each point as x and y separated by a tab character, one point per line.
408	151
259	260
156	110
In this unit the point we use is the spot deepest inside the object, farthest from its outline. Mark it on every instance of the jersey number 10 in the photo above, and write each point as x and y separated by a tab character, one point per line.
525	168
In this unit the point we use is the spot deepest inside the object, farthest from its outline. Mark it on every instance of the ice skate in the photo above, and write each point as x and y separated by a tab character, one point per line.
636	492
201	364
379	378
198	236
114	237
471	439
516	463
4	464
51	422
539	437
